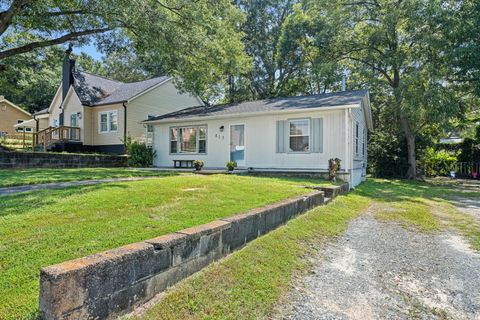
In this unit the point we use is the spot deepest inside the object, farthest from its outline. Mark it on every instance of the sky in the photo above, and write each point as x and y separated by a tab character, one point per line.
90	50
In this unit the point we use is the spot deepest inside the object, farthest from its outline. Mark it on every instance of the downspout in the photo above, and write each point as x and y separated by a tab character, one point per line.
125	124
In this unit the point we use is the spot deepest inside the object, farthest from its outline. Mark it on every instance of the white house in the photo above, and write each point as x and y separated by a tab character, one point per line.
294	134
93	113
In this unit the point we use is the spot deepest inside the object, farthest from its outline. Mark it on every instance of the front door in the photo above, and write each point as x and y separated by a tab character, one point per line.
237	144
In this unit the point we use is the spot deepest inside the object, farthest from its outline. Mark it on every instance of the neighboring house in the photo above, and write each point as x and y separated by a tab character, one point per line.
294	134
107	111
10	115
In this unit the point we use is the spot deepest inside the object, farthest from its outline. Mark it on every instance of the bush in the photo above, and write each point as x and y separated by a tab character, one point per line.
438	163
139	155
231	165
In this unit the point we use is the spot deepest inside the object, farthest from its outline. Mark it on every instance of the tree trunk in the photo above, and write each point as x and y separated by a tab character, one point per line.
410	136
407	130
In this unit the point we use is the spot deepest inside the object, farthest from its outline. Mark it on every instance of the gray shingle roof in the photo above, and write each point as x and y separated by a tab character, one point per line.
352	97
95	90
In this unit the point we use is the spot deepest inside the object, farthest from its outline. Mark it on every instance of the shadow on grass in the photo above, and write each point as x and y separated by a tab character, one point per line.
21	203
405	190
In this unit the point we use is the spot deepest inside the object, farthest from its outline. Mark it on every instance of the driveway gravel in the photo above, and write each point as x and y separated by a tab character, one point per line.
381	270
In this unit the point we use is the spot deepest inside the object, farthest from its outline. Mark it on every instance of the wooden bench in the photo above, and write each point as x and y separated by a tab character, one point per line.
183	163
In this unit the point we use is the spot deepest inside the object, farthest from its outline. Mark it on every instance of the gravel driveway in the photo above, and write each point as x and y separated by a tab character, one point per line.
380	270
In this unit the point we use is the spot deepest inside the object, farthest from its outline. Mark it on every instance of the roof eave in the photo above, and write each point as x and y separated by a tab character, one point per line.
13	105
250	114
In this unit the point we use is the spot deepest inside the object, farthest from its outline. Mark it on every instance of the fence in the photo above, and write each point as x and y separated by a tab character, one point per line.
17	141
468	170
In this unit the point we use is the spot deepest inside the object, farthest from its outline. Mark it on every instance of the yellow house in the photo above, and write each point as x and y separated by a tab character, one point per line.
10	115
105	112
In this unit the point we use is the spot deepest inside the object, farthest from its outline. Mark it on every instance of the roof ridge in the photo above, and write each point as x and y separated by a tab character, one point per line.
165	76
99	76
286	97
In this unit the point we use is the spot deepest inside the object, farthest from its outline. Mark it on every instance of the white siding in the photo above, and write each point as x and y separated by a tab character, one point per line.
260	142
54	109
161	100
359	160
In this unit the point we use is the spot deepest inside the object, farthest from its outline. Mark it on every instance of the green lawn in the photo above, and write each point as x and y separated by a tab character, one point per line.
46	227
18	177
250	283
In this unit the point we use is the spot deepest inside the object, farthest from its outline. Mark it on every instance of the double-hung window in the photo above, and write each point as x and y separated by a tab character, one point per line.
191	139
108	121
364	141
299	135
73	120
356	138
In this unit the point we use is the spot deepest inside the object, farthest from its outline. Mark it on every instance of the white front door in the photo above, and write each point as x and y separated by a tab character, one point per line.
237	144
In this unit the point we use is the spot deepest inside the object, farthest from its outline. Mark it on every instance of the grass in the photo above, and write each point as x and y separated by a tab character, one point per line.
249	283
253	282
16	177
47	227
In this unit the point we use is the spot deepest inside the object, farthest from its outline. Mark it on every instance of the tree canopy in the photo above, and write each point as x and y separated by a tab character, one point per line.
418	58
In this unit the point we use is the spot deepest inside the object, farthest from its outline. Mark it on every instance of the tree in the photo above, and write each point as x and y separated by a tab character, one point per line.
394	46
262	29
30	80
197	41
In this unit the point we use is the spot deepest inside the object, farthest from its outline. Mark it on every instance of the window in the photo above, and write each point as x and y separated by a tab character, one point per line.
108	121
356	138
73	120
149	126
202	140
27	129
113	120
299	135
188	140
364	141
103	122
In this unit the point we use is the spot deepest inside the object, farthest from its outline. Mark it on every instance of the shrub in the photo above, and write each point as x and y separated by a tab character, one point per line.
139	155
198	164
438	163
231	165
333	167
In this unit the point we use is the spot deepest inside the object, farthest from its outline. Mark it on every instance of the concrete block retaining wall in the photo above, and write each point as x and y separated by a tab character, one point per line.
23	160
111	283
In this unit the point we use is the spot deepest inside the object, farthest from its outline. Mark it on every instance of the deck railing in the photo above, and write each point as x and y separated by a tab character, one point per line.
51	135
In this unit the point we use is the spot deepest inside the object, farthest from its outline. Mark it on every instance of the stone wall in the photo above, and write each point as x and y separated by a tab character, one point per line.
111	283
341	175
333	191
24	160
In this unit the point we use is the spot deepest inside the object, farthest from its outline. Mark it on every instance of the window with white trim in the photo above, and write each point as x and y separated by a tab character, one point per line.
192	139
108	121
356	138
74	120
299	135
364	141
27	129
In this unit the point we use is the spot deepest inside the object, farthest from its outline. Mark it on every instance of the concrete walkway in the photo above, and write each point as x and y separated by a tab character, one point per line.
60	185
